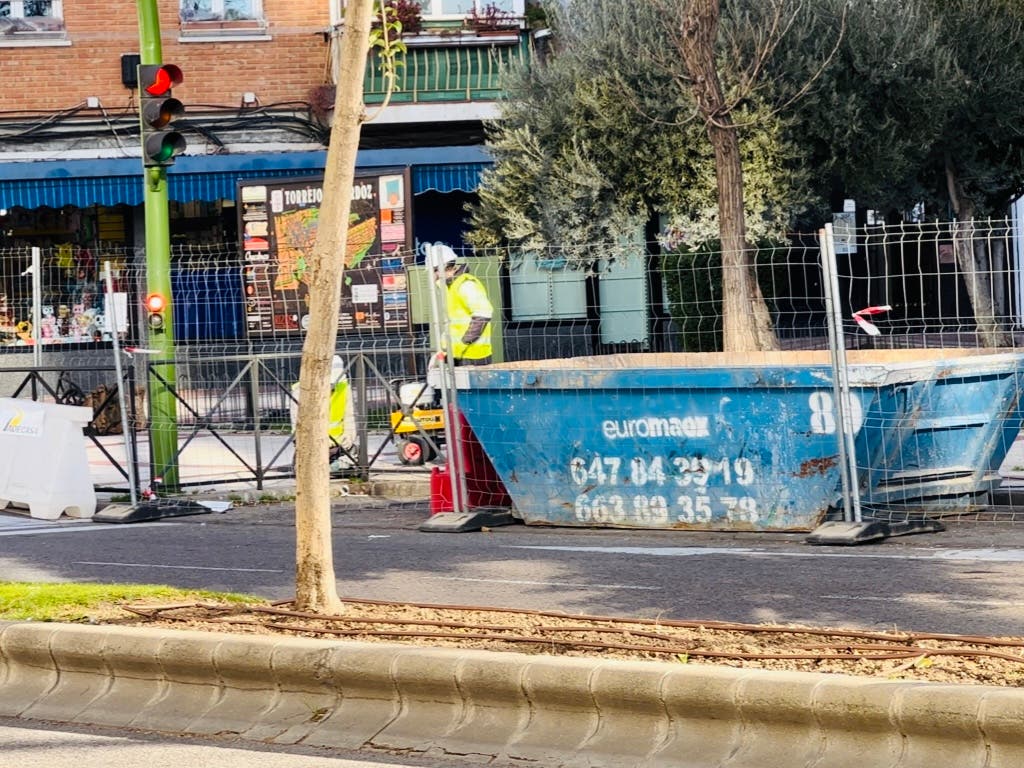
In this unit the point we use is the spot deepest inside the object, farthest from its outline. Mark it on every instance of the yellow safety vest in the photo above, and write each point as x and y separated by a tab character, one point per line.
337	411
468	297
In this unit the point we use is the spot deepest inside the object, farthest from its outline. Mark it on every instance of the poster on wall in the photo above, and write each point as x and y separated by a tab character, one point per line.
277	224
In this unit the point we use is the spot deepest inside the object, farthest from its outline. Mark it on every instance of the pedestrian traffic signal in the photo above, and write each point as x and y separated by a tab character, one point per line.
158	109
156	304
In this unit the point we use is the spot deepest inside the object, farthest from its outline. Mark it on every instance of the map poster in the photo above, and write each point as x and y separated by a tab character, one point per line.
278	221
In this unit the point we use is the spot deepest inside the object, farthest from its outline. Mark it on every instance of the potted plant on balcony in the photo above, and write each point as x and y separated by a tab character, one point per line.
489	19
408	13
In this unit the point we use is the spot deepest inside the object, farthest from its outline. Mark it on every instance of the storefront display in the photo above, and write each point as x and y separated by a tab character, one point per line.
72	246
278	224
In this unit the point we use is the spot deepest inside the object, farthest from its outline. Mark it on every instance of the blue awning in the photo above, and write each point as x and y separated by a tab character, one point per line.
84	192
84	183
447	178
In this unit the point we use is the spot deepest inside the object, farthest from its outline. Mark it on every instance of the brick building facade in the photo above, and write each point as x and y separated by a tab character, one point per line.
280	60
257	76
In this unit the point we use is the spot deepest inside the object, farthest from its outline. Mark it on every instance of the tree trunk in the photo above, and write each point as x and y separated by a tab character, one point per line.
746	323
977	276
315	584
997	258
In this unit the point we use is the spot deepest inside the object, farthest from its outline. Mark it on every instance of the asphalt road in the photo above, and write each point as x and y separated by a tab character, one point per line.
964	580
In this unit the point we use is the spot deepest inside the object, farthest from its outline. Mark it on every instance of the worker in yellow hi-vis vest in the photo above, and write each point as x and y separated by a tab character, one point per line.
469	310
341	422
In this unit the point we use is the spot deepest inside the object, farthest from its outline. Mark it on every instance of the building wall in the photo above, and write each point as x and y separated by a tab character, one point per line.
47	78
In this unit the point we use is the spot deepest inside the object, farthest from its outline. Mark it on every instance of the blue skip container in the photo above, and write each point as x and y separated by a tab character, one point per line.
738	442
940	430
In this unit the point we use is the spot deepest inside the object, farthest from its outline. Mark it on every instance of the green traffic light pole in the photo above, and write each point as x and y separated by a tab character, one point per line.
163	425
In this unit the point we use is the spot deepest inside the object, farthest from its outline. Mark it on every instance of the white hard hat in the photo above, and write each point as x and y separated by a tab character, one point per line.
442	255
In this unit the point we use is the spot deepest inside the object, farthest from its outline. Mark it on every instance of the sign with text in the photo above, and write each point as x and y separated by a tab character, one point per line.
278	222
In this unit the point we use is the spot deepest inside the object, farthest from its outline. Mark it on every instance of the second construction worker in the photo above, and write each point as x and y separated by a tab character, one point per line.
469	310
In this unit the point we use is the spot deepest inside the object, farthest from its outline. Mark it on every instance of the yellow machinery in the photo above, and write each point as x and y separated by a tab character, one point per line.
418	423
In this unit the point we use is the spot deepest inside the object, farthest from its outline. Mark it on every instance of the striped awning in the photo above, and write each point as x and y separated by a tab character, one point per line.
85	183
464	177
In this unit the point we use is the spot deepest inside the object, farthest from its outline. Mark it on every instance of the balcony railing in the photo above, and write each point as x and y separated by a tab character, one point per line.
449	68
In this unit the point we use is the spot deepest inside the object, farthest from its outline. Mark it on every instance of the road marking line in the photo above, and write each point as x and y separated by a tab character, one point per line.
29	530
177	567
960	555
919	599
544	583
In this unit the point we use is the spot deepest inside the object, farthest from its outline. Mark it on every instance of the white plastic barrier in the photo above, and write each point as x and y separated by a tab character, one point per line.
43	463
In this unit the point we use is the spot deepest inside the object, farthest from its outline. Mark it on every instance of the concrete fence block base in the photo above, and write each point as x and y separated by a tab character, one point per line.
477	705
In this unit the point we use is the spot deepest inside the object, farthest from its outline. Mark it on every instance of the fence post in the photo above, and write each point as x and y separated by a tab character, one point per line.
362	418
254	395
840	380
126	427
37	308
133	438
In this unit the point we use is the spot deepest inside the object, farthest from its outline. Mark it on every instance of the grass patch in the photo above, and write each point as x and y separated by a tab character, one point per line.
20	601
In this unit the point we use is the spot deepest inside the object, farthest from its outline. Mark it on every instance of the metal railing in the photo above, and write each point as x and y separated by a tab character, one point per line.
454	71
245	403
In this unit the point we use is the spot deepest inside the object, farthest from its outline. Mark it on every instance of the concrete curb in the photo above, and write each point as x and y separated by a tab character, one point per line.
392	486
400	487
556	711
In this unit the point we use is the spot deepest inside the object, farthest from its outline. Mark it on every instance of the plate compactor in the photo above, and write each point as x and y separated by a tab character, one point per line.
418	423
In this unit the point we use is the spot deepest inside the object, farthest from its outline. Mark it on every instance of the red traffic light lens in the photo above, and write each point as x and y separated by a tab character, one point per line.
156	302
160	79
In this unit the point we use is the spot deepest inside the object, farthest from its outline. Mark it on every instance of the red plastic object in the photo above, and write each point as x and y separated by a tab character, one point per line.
440	491
483	486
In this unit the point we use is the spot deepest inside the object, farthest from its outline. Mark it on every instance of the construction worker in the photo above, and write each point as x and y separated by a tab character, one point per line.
341	423
469	310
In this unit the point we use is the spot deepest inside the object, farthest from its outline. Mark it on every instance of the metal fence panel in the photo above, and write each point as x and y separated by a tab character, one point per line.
951	290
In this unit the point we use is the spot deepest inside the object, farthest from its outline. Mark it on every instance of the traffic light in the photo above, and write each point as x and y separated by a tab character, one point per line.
156	304
160	144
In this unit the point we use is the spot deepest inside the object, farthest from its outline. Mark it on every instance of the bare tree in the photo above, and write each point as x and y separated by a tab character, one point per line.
746	323
981	150
315	583
696	39
640	107
977	258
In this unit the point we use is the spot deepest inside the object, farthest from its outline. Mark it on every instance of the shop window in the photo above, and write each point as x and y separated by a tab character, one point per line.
31	20
222	17
67	293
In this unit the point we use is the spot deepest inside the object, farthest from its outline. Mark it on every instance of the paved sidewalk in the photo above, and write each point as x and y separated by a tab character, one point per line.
42	745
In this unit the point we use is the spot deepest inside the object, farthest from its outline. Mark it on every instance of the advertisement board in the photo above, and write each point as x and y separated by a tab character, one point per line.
278	221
